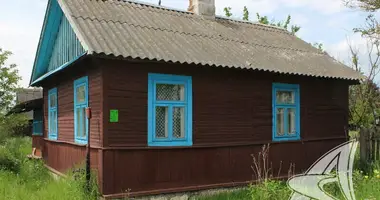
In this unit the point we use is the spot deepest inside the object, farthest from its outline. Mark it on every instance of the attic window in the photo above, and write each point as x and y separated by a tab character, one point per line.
286	112
169	110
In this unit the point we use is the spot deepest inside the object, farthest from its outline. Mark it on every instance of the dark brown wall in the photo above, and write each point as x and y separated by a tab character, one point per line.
63	154
229	105
232	118
65	89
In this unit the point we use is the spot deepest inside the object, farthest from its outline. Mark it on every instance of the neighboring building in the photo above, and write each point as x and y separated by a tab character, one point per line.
180	100
30	102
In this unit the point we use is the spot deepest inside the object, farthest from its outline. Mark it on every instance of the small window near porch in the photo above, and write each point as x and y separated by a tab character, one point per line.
286	112
169	110
80	105
37	122
53	114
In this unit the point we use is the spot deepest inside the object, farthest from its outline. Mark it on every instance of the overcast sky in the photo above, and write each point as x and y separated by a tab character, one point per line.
325	21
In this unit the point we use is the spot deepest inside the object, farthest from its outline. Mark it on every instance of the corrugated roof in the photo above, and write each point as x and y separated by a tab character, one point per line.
142	31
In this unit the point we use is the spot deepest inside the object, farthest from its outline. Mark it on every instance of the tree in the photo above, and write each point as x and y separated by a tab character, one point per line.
366	5
318	45
245	14
227	11
9	79
364	99
283	24
264	20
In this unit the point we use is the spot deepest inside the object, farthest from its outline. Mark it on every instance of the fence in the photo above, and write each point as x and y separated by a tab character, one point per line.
369	144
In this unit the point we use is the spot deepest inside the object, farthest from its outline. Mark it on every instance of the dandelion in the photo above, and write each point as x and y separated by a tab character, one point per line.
378	176
366	177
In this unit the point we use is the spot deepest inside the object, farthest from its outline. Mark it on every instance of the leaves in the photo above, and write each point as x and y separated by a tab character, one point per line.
227	11
9	79
245	14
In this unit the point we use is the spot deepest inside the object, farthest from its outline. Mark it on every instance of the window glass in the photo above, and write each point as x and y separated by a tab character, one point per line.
170	92
178	122
81	94
53	98
52	114
80	105
169	110
292	121
285	97
161	122
286	110
280	122
82	122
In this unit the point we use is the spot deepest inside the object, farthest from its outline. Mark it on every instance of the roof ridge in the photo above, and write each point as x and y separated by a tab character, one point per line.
193	16
195	34
280	29
153	6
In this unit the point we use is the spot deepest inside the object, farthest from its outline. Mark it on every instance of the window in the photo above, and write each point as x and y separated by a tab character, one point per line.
53	114
286	112
80	105
169	110
37	122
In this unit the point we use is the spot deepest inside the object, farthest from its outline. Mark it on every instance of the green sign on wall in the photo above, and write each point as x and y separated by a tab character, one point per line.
114	115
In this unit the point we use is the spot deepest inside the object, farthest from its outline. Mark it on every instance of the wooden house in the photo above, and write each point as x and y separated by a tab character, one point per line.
181	99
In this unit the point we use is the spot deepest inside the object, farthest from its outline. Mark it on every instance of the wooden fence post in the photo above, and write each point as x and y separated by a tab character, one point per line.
364	147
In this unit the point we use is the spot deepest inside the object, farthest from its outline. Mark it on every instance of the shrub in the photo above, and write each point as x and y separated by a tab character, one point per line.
269	190
8	161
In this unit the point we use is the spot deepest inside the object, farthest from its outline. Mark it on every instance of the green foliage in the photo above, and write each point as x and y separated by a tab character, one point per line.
33	181
363	104
12	125
9	79
367	5
227	11
318	45
245	14
269	190
283	24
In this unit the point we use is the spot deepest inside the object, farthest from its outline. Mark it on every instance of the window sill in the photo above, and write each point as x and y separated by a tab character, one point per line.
71	143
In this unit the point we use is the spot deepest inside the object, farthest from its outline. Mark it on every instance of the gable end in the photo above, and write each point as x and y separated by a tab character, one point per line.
58	46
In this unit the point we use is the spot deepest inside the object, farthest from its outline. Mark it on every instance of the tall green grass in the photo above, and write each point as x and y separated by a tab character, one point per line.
30	180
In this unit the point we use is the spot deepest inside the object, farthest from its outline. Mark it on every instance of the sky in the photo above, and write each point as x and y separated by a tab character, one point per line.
326	21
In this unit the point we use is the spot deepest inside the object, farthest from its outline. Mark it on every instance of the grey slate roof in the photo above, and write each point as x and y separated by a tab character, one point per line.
142	31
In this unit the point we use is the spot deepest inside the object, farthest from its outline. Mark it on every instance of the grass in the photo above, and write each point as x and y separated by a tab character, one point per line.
21	178
31	180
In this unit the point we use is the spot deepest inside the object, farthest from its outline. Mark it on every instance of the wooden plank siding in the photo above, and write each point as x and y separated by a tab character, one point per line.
63	153
232	118
229	105
65	91
158	170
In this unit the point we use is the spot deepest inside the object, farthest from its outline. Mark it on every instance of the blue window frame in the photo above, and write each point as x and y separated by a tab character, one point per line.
37	122
80	105
286	112
169	110
53	114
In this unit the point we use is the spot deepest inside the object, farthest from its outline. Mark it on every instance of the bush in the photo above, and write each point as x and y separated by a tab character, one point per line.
269	190
8	161
12	125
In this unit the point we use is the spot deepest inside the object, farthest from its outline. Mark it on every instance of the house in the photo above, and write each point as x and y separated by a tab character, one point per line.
29	101
181	99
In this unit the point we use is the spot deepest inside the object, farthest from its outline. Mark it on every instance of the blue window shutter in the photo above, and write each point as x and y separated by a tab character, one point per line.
38	122
294	88
182	105
80	129
53	114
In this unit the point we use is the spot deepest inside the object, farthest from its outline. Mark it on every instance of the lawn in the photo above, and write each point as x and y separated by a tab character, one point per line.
21	178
